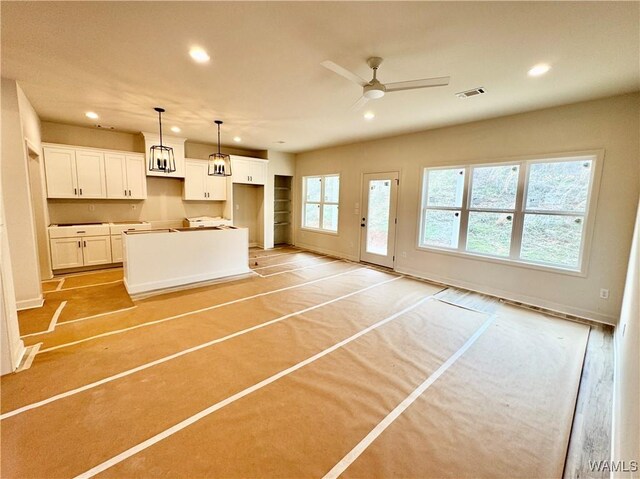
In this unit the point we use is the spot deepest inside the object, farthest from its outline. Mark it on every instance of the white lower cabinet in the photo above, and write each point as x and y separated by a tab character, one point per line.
116	248
80	251
116	230
66	253
96	250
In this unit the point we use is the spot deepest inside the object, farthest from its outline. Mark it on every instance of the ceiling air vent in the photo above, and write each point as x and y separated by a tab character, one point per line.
470	93
106	127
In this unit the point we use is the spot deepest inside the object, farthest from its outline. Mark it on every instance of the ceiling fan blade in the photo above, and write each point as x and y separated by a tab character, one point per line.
413	84
359	104
334	67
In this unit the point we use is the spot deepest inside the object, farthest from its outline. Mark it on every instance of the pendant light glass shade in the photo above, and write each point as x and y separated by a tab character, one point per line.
161	157
219	163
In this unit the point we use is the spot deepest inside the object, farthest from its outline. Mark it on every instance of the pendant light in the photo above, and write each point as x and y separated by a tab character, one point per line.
161	157
219	163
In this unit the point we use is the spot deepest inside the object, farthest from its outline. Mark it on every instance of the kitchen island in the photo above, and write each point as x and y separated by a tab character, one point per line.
160	259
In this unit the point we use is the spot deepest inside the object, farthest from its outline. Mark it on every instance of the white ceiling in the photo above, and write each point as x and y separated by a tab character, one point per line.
265	81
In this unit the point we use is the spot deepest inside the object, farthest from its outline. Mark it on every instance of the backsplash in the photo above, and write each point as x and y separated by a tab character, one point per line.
164	203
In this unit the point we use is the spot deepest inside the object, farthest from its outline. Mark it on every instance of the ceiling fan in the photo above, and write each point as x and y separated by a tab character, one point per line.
374	89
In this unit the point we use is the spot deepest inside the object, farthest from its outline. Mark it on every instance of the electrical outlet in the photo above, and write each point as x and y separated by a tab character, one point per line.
133	207
92	207
237	207
604	293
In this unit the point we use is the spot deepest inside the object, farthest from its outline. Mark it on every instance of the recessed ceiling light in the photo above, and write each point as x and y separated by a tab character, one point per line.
199	55
538	70
237	139
92	115
369	115
175	129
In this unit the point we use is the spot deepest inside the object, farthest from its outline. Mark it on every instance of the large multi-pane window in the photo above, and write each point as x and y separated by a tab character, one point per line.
533	211
321	196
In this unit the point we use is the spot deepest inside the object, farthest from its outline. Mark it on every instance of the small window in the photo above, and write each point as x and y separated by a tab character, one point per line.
321	196
533	211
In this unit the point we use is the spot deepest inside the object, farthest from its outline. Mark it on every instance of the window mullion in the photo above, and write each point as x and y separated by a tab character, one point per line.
464	211
518	214
321	213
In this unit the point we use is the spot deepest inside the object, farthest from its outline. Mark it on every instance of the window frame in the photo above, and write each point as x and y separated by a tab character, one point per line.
524	163
320	204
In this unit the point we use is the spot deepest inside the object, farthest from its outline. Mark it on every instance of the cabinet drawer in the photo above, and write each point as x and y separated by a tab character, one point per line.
118	228
79	230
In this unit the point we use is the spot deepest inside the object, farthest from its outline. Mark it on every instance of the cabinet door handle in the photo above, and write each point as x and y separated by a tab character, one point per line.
85	244
125	192
80	191
129	192
79	244
75	191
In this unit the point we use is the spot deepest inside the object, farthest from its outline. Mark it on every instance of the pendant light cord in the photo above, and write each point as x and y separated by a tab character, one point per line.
219	139
160	123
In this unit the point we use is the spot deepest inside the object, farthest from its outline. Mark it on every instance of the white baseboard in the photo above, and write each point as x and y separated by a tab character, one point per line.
19	355
511	296
30	303
329	252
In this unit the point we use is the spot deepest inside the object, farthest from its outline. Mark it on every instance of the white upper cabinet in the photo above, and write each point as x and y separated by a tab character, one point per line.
198	185
60	169
247	170
125	175
74	173
136	177
217	188
91	173
115	165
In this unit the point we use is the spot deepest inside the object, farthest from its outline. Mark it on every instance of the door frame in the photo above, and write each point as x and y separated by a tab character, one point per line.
392	214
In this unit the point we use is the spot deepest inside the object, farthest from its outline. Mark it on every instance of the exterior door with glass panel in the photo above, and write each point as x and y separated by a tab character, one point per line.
378	221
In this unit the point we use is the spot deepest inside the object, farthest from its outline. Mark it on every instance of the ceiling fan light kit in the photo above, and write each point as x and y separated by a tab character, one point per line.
374	89
161	158
219	163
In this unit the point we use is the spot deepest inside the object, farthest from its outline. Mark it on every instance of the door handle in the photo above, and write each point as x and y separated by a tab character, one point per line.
80	191
125	192
85	244
75	191
79	244
129	192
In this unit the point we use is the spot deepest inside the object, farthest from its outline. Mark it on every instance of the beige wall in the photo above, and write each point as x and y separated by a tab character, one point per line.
626	417
247	207
164	204
611	123
16	194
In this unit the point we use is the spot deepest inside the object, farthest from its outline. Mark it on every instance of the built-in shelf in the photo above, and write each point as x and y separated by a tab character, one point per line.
282	207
